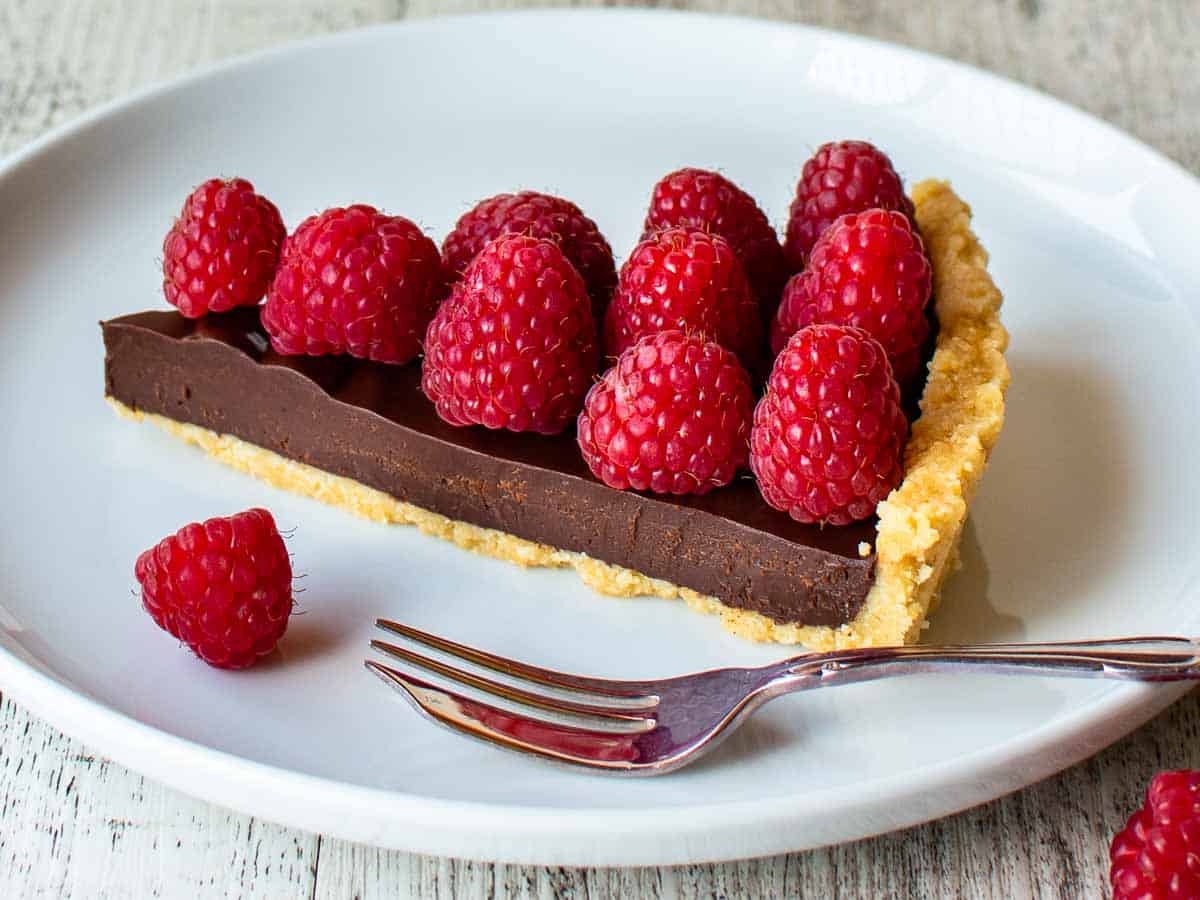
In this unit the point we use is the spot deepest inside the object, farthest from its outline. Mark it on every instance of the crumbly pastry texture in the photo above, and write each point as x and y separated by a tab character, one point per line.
920	523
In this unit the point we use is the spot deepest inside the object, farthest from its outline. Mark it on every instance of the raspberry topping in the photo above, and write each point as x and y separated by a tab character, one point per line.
1157	853
539	216
222	250
708	201
354	281
672	416
868	270
842	177
829	433
223	587
514	346
688	280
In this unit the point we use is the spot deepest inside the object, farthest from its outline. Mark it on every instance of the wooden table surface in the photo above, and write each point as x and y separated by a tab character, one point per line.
74	824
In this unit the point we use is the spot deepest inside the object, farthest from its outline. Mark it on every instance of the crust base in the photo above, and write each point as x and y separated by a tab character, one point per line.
920	523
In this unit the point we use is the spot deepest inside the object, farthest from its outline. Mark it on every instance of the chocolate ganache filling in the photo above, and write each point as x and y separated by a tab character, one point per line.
371	423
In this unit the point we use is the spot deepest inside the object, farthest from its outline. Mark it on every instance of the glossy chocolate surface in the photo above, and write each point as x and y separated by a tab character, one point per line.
371	423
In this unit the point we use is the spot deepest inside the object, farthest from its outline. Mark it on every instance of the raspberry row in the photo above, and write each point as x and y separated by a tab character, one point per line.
519	310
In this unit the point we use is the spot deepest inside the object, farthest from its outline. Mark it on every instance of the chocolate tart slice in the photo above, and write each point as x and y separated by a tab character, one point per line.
362	436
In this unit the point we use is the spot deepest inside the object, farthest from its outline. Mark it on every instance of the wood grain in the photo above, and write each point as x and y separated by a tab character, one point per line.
74	825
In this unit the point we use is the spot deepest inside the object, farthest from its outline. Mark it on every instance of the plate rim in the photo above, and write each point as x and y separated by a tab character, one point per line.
440	827
484	830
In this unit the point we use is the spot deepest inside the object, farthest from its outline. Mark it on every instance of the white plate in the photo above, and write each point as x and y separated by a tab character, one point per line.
1085	525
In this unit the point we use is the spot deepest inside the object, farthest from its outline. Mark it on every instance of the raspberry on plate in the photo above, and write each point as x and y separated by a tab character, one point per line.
514	346
689	280
868	270
828	437
354	281
1157	853
708	201
223	587
842	177
222	250
672	417
540	216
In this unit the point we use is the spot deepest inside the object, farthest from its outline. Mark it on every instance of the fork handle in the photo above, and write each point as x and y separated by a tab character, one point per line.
1133	659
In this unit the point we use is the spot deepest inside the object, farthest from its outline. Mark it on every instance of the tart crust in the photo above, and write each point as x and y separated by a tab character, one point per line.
920	523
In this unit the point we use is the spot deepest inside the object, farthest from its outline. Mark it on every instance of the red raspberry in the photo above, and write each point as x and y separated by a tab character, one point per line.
514	346
1157	853
868	270
540	216
708	201
223	587
689	280
672	416
222	250
829	433
843	177
354	281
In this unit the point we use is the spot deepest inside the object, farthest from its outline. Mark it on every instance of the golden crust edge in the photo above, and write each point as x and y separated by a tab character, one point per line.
962	413
920	523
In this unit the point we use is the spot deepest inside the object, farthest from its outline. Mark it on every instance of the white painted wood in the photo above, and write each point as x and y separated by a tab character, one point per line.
74	825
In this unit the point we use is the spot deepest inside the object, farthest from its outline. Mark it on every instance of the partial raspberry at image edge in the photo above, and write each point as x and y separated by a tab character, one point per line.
1157	853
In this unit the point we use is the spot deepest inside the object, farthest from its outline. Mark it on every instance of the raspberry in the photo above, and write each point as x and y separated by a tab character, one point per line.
222	250
540	216
514	346
708	201
1157	853
672	416
354	281
223	587
829	433
868	270
844	177
689	280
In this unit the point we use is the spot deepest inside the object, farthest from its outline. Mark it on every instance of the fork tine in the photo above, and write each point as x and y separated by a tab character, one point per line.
591	715
561	743
622	689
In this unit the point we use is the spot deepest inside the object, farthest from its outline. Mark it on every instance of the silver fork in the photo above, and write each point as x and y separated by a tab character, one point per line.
653	727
